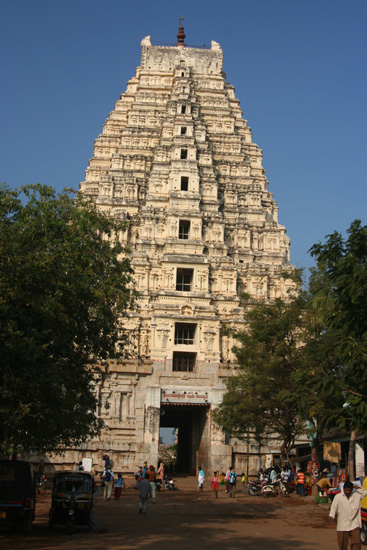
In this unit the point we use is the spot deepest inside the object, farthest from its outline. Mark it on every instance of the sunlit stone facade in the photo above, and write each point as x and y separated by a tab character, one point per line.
177	161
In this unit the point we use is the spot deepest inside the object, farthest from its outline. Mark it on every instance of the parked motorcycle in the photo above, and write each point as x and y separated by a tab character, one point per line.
41	483
270	489
169	485
254	488
263	488
364	534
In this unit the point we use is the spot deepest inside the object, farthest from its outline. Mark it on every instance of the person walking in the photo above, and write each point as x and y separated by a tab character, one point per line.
93	523
145	490
228	472
152	476
41	479
201	477
300	489
215	484
346	507
118	486
107	478
161	473
284	476
244	483
232	483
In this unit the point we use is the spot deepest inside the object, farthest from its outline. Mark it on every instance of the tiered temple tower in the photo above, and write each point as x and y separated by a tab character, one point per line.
176	160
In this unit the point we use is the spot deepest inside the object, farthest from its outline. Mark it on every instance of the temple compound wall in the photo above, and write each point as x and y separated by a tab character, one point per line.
176	160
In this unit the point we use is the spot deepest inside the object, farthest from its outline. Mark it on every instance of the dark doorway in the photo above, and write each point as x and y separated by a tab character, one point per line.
192	422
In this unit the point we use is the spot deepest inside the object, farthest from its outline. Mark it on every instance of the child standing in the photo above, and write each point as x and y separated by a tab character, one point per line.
215	484
118	486
244	482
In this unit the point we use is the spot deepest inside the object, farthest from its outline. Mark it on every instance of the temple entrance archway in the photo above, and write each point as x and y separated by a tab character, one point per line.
192	423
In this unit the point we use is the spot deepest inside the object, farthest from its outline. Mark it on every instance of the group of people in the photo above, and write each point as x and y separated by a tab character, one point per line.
287	476
229	478
146	483
345	508
110	482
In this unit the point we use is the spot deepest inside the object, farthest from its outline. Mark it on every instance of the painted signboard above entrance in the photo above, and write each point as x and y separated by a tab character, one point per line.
187	396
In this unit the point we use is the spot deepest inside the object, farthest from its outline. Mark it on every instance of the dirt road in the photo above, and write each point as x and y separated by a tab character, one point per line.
185	519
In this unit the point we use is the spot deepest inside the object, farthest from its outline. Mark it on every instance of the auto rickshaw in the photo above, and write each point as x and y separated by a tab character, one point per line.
72	499
17	494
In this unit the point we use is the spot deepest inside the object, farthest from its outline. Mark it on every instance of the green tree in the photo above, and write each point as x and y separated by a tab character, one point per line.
339	287
263	396
64	283
320	399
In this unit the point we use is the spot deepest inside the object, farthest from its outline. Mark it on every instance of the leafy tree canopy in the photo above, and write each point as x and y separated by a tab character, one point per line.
339	304
64	282
263	395
306	358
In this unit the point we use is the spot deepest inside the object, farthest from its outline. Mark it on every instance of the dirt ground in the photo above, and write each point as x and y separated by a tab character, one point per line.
184	519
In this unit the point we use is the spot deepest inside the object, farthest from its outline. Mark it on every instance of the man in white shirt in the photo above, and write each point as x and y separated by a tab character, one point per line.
347	507
284	476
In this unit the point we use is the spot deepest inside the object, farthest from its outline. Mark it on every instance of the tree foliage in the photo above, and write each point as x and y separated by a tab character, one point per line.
263	396
339	302
305	359
64	282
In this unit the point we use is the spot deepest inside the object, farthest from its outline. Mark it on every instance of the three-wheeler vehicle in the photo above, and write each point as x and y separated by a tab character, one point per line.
72	499
17	494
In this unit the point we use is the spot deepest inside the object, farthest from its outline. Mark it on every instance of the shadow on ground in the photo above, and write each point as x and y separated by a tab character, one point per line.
183	520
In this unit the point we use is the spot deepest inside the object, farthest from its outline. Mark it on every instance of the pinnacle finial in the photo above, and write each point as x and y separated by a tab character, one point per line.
181	35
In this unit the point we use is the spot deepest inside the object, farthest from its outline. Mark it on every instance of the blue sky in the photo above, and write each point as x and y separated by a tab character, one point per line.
299	70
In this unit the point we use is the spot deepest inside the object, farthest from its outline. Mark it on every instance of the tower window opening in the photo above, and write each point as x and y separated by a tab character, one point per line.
183	109
183	362
184	183
184	333
183	154
184	279
183	130
184	229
